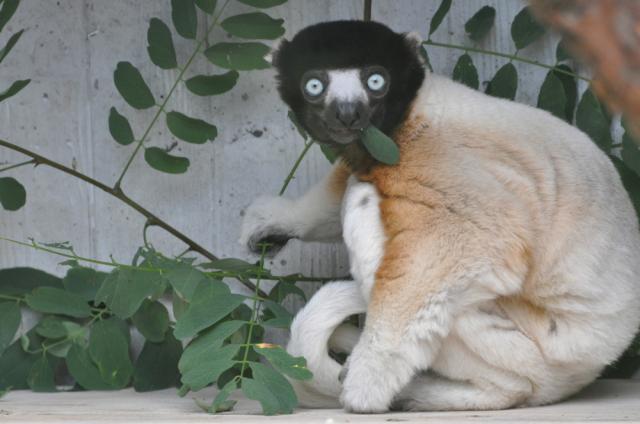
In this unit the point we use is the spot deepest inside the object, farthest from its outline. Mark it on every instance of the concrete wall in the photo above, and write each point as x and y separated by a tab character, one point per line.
70	50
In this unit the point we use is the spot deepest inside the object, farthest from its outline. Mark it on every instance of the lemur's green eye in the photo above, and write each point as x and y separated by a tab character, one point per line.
376	82
314	87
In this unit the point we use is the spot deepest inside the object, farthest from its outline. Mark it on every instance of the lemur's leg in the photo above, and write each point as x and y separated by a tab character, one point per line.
313	217
465	380
423	281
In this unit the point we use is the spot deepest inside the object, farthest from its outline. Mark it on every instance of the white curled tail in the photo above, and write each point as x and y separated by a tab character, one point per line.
318	327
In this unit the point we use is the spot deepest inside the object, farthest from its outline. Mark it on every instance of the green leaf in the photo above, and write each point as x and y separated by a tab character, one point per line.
505	83
220	403
255	25
9	7
10	319
41	377
465	72
439	16
179	306
56	301
630	153
10	44
207	6
284	288
13	196
157	366
200	370
84	371
591	118
162	161
425	56
85	282
160	45
381	147
480	23
124	290
152	320
212	85
212	301
239	56
132	87
271	389
20	281
294	367
552	97
4	392
189	129
120	128
185	19
52	327
561	52
14	89
263	4
109	350
330	153
185	279
296	123
570	88
15	366
525	29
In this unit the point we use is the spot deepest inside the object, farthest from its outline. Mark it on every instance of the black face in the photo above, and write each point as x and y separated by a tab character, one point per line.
341	77
340	105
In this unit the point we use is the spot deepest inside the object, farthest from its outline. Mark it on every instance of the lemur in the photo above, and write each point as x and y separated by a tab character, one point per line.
497	262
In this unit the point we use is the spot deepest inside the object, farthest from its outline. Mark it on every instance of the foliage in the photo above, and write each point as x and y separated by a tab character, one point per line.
213	335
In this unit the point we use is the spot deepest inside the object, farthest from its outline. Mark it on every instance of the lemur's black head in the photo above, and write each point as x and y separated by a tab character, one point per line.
340	77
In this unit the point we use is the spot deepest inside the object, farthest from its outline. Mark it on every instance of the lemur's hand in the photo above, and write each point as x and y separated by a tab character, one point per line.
268	220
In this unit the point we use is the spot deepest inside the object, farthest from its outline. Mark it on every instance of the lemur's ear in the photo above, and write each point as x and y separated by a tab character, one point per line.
272	56
414	41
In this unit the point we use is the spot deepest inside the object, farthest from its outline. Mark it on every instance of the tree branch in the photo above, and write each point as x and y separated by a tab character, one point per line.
115	192
367	10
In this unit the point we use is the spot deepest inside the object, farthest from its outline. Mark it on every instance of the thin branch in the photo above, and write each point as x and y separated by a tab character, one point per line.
162	106
115	192
367	10
287	180
18	165
506	56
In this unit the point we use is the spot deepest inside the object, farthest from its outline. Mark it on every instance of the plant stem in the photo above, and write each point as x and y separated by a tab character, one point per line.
255	314
162	106
11	298
287	180
214	274
506	56
117	193
17	165
367	10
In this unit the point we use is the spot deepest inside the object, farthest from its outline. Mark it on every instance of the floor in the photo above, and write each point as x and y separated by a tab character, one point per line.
605	401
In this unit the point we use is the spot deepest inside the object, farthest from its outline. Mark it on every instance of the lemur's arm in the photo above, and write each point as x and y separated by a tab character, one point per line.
313	217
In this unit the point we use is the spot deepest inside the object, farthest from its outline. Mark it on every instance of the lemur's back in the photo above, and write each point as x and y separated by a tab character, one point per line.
506	168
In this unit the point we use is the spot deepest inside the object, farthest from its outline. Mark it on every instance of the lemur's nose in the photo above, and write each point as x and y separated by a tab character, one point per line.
350	114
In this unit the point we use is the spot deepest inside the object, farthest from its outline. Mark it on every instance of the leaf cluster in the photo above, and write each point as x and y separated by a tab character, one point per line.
214	336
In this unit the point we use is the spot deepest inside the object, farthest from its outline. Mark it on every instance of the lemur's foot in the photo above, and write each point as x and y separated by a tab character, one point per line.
265	223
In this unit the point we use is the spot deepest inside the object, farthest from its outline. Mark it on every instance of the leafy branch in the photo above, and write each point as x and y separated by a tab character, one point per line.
178	80
506	56
113	191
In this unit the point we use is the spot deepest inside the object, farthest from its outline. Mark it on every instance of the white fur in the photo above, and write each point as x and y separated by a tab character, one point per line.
314	216
486	355
345	85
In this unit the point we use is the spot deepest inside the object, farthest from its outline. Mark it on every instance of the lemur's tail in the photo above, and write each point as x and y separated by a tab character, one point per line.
315	329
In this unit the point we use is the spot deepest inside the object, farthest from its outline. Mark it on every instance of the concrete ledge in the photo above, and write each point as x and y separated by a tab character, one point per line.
604	401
